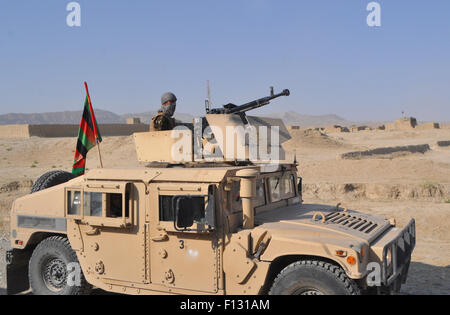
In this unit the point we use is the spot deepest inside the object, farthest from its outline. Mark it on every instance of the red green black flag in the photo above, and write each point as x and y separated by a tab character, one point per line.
88	136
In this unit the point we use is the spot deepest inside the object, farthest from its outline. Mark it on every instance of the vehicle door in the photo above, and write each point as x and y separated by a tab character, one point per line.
183	239
105	228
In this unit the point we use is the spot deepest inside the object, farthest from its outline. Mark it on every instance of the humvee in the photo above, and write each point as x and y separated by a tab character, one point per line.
198	227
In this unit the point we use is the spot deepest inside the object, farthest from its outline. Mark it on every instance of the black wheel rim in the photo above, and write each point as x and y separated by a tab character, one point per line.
54	273
308	291
311	292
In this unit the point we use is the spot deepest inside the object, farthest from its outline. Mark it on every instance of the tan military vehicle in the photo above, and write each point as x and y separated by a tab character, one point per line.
198	227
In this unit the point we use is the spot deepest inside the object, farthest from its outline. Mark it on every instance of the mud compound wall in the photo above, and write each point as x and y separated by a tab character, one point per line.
377	192
55	131
122	129
443	143
421	148
428	125
14	131
406	123
52	131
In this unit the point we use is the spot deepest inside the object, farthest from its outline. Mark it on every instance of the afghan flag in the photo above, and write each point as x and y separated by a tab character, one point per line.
88	136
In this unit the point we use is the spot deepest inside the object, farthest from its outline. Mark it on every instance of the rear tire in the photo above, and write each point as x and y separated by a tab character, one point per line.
312	277
48	272
51	179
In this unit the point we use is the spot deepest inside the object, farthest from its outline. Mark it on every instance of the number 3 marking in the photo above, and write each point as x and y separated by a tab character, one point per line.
181	244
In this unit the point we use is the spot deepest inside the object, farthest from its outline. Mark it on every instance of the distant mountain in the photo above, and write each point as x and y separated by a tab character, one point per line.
107	117
295	119
68	117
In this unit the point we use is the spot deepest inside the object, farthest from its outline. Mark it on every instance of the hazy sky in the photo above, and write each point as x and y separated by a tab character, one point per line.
130	52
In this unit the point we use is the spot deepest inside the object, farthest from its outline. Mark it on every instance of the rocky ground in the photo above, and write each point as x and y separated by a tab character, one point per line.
401	186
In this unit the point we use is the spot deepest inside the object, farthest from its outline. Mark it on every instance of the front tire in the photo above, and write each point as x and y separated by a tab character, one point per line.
312	277
48	269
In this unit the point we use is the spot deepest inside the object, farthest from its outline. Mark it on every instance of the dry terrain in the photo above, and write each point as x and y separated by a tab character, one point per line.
393	185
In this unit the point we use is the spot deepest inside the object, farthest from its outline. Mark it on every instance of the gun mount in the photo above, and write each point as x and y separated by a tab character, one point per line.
241	109
222	136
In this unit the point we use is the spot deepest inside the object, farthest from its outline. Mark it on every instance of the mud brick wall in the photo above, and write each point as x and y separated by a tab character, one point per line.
444	143
421	148
52	131
14	131
407	123
428	125
57	130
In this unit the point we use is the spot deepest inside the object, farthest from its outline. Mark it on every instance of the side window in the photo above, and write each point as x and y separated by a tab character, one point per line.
114	205
102	204
166	211
167	205
198	207
98	204
74	202
95	201
93	204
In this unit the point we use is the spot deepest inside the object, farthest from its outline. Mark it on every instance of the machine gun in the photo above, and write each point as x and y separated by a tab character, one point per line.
241	109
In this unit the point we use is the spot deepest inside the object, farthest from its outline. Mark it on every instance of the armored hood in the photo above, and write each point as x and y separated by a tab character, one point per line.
321	222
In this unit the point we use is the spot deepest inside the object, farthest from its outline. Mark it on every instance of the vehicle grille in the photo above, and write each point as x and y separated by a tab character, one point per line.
350	221
401	248
405	245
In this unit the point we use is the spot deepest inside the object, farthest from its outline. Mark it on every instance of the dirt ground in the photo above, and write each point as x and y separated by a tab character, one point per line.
400	186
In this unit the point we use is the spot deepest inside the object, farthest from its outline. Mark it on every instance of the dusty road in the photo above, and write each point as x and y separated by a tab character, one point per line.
400	186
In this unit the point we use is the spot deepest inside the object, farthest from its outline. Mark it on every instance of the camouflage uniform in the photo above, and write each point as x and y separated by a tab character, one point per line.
161	122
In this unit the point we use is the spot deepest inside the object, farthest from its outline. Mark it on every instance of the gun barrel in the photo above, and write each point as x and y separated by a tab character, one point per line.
257	103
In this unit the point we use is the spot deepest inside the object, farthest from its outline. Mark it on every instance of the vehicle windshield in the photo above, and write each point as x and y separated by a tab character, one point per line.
281	187
270	188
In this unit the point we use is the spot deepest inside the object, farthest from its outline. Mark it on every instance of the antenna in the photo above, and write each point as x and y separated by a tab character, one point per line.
208	98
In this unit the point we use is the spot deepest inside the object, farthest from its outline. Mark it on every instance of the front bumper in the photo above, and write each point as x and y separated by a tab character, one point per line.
14	271
395	270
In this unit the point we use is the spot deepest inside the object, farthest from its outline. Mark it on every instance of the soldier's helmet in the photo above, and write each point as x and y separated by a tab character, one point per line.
168	96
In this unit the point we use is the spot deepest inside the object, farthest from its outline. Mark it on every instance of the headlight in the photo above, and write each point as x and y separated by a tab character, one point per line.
389	262
389	257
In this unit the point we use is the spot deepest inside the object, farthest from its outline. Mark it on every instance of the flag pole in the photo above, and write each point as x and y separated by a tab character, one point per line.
94	123
99	154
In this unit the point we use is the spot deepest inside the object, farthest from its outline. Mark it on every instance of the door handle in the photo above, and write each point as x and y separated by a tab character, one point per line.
161	235
94	231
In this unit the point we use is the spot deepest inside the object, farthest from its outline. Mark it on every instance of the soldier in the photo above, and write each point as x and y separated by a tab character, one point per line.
163	120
